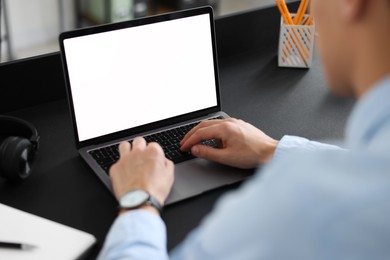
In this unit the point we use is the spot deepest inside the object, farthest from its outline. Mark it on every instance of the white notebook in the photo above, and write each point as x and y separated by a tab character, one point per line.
51	240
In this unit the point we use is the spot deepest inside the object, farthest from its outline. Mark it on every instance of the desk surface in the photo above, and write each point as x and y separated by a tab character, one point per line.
278	101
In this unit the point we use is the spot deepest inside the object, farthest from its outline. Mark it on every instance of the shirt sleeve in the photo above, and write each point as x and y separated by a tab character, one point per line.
136	234
301	209
290	143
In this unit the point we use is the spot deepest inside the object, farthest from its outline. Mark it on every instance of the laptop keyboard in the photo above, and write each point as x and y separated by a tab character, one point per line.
169	141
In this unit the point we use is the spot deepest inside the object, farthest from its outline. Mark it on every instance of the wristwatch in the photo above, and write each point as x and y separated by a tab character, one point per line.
137	198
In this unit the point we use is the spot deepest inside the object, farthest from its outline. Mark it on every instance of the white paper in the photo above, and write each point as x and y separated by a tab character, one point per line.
51	240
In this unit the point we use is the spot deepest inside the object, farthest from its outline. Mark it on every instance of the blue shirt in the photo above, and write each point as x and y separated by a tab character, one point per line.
313	201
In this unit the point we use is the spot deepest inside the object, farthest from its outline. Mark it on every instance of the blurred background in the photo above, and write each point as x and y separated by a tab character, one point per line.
31	27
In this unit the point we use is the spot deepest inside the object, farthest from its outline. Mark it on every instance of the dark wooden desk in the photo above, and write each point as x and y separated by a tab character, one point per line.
279	101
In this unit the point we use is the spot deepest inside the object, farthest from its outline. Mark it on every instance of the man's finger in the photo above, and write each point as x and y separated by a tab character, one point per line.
156	149
138	143
200	126
124	148
204	133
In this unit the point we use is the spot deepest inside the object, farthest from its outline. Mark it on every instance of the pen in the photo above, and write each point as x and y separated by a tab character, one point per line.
12	245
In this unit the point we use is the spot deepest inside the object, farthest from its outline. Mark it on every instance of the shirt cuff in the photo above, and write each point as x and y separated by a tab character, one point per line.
136	234
289	143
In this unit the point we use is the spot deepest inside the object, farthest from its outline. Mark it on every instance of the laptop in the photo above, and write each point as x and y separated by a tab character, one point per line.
155	77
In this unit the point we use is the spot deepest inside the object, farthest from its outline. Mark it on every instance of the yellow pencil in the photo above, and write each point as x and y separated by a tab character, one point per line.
281	10
310	19
288	20
301	12
286	12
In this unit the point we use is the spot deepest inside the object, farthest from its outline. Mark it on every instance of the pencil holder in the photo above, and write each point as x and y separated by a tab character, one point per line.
296	45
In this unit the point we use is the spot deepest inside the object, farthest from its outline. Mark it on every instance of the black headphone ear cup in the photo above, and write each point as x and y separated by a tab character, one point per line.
15	158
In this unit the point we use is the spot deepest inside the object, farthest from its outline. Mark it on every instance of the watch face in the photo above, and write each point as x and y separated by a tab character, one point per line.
134	199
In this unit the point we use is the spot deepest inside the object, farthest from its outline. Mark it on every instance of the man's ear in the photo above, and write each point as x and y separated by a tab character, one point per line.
353	10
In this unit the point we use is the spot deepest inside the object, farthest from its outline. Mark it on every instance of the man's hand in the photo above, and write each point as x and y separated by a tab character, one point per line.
142	166
241	144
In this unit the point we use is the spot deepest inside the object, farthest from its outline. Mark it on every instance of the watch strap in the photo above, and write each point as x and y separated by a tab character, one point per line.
152	201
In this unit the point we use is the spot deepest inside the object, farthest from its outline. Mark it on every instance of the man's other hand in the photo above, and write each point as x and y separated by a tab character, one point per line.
240	144
142	166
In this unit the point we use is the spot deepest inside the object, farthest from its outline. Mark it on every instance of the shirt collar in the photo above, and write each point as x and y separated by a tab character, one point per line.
368	115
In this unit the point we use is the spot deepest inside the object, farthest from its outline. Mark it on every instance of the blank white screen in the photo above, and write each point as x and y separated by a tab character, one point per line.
134	76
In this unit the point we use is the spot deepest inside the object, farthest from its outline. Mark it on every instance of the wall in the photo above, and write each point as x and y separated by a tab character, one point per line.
36	23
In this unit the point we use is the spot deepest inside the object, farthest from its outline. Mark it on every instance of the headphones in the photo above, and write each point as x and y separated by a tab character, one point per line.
19	142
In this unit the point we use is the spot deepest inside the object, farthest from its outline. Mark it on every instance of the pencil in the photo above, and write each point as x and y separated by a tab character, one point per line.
281	10
301	12
288	21
310	19
286	12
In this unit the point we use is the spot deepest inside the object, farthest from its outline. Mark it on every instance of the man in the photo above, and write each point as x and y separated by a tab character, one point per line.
311	201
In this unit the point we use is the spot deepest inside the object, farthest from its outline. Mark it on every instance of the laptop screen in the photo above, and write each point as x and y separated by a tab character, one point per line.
129	77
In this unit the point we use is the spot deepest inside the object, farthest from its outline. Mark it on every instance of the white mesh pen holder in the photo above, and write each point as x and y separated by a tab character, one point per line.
296	45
